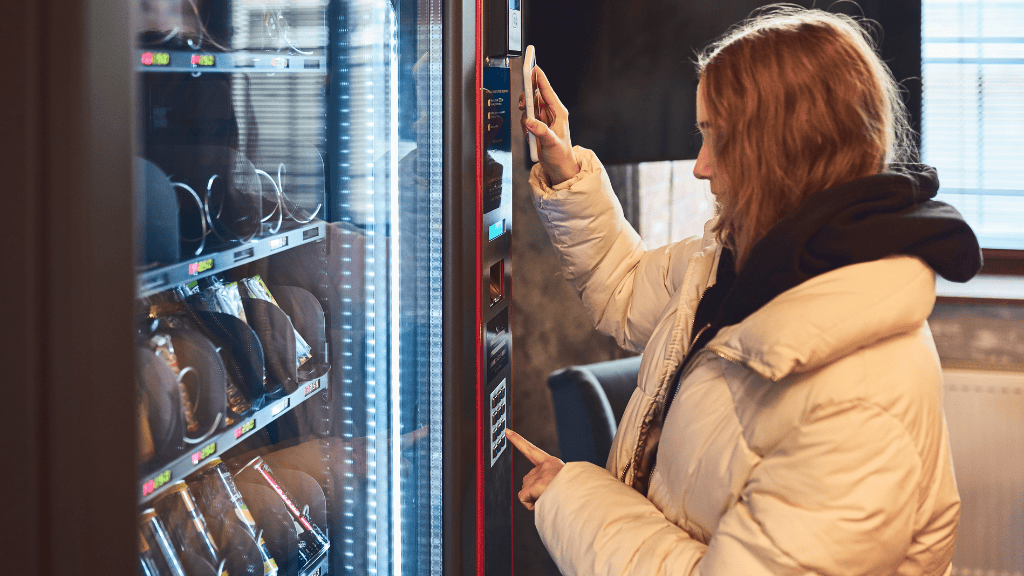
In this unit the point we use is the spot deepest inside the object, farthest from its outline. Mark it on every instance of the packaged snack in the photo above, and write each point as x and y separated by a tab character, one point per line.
230	300
312	540
146	447
164	304
255	288
222	504
188	529
164	349
219	297
156	551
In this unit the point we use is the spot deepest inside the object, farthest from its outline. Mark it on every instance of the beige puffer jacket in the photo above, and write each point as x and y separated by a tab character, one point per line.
808	439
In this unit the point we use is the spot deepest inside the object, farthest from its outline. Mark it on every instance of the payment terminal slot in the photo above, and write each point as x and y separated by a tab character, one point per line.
504	34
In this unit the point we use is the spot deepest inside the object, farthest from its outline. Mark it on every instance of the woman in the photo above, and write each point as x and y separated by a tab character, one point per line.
788	416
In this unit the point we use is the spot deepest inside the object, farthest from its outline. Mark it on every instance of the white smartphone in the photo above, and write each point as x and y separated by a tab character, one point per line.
529	61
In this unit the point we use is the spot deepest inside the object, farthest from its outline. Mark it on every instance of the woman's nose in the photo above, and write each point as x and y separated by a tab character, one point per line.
702	168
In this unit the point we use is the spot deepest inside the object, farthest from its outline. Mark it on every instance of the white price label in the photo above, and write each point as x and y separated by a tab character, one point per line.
279	407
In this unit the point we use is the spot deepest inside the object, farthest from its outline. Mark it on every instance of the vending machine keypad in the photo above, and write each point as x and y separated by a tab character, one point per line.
498	425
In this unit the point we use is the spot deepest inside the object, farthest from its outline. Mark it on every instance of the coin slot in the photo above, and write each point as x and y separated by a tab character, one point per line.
499	342
497	282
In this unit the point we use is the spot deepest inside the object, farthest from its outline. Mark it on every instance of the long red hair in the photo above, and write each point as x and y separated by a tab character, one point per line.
798	101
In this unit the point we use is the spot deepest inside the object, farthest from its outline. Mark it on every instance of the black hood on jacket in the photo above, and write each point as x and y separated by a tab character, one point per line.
859	221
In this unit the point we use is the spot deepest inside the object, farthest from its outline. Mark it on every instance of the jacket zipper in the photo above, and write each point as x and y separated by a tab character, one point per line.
729	357
693	339
693	325
737	360
682	377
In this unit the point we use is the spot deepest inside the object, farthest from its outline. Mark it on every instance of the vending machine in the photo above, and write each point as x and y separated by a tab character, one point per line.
271	259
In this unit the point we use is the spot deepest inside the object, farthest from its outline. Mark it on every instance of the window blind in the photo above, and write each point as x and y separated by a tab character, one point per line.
972	126
674	205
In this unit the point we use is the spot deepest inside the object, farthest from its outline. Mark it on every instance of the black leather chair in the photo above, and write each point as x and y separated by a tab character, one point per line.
589	401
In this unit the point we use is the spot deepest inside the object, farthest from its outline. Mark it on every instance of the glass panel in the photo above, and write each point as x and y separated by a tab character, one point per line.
288	237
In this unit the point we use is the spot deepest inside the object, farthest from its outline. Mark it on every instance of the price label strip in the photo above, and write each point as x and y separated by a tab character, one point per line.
226	439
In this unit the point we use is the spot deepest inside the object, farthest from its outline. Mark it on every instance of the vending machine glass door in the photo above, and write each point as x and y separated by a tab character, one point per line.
288	249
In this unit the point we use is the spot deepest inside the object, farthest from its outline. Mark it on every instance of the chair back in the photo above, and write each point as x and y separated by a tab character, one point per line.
589	401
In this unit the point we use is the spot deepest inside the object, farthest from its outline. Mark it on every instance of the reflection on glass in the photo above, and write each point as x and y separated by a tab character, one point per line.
295	146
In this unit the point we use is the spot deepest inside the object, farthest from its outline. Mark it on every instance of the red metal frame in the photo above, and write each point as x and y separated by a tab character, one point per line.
478	223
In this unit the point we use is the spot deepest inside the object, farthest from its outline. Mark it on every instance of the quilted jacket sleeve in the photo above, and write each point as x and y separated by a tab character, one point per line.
839	495
625	287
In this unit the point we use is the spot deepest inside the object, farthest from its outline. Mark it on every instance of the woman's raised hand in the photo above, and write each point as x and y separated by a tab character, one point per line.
551	127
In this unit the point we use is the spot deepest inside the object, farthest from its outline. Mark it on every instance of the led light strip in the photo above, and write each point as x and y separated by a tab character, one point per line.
436	305
370	311
396	381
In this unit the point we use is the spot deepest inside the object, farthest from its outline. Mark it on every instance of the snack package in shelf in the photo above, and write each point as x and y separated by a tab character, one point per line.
146	448
225	298
311	538
161	344
230	520
219	297
162	305
255	288
237	400
231	300
157	556
188	530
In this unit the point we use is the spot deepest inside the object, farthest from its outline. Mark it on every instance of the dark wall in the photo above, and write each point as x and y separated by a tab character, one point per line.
624	68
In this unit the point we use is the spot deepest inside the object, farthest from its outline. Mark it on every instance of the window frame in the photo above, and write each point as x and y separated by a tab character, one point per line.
997	261
1002	262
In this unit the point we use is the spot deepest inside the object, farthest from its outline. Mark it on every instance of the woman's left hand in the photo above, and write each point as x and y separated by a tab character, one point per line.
546	467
